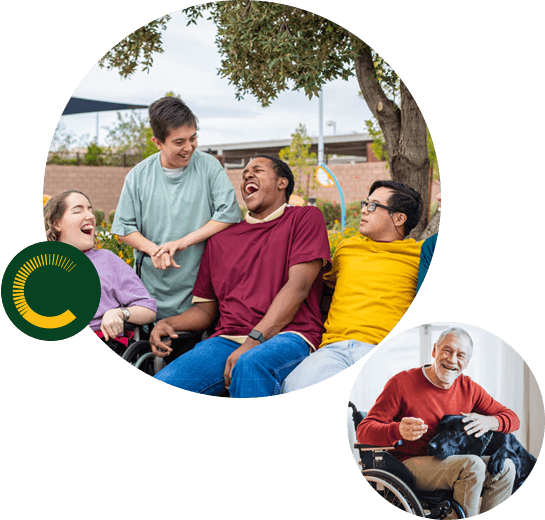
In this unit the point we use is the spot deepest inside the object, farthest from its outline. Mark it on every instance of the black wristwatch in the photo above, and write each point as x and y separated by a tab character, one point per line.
255	334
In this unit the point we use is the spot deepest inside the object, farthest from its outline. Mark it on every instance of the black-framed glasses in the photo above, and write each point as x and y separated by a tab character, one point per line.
372	206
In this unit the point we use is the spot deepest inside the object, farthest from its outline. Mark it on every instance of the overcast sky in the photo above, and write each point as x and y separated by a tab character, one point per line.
189	68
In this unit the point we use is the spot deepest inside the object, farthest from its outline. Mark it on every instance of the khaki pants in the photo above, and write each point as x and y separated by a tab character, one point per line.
466	475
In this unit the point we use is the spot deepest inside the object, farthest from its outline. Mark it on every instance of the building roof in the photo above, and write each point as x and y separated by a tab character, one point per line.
350	144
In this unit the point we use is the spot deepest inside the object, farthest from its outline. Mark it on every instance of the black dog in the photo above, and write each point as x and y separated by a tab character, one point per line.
452	439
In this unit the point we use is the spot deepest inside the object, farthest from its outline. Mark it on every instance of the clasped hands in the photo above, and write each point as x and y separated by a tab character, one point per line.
163	257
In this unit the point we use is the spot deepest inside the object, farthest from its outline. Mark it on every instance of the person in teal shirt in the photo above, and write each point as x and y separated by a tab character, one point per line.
426	253
171	203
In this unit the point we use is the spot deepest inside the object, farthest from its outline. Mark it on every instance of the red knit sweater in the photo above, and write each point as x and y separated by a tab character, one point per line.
411	394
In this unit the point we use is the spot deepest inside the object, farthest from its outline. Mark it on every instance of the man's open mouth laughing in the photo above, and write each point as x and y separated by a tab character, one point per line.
250	189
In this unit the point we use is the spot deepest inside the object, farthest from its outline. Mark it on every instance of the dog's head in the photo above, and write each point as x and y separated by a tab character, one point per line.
452	439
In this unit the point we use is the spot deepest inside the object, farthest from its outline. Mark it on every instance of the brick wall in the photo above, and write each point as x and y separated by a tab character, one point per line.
355	180
103	184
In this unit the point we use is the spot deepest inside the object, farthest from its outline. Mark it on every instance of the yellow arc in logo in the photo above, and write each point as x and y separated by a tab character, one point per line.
44	322
48	322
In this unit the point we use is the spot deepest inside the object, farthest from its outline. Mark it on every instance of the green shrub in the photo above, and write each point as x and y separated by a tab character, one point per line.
106	240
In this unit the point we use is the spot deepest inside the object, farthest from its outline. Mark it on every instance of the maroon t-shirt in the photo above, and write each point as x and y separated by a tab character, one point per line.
245	266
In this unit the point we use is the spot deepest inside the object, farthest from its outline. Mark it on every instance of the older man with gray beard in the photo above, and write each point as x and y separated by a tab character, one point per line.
410	408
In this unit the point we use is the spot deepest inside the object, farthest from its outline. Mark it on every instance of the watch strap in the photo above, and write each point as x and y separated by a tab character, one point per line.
255	334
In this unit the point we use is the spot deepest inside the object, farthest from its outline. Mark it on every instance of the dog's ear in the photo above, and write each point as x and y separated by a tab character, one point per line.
448	422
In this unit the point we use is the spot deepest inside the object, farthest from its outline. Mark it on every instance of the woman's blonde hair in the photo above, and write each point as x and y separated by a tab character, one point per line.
54	210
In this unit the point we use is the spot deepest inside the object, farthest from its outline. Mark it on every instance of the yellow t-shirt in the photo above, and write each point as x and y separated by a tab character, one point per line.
375	282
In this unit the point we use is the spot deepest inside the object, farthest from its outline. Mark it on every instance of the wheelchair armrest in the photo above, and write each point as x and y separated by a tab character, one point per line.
182	334
371	447
185	341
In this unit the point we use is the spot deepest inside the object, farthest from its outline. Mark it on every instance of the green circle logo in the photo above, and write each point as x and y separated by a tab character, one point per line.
50	291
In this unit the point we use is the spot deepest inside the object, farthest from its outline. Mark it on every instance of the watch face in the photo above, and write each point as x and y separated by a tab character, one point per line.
257	336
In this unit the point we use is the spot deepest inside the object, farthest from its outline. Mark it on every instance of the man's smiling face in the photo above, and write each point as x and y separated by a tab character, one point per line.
450	359
262	189
178	147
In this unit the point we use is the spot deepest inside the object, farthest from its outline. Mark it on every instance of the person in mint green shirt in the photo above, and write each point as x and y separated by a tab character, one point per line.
171	203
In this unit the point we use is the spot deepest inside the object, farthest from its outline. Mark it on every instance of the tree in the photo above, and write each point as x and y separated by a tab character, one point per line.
132	134
268	48
137	49
301	161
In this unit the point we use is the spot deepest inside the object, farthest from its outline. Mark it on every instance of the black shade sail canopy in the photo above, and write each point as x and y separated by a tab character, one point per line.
80	106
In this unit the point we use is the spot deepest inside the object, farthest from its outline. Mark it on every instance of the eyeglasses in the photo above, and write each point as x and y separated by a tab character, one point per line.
372	206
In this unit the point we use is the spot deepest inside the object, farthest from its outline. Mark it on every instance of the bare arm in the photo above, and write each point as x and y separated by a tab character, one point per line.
140	242
196	237
112	320
287	302
282	310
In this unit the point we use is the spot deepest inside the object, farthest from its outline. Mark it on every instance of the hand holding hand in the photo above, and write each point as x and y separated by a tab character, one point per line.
166	253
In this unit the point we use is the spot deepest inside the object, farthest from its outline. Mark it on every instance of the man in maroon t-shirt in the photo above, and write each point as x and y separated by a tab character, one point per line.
264	277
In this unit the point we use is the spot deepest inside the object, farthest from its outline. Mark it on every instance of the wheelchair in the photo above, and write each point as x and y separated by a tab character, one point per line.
391	479
139	353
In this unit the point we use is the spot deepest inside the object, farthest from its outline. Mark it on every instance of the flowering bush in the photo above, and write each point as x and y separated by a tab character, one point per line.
336	236
330	210
105	240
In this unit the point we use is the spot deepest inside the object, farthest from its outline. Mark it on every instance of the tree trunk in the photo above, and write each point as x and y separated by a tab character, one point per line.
404	131
431	228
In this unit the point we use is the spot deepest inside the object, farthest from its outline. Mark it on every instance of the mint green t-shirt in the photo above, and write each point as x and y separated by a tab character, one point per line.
162	209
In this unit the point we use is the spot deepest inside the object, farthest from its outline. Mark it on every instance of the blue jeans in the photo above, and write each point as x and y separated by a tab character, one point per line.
327	361
257	373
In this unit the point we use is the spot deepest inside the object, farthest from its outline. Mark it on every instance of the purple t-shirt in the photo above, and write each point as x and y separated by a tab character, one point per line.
119	285
245	266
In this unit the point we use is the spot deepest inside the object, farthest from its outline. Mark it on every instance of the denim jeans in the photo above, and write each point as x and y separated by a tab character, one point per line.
257	373
327	361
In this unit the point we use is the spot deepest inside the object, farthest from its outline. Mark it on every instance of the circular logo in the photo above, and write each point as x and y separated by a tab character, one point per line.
50	291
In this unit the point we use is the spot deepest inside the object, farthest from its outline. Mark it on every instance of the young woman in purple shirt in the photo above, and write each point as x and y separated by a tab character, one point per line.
69	218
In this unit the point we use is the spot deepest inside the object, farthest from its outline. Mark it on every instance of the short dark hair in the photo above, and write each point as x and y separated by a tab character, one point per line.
282	170
403	199
168	113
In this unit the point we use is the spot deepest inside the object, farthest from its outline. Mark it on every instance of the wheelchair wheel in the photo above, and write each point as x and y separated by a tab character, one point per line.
140	355
394	490
440	504
457	509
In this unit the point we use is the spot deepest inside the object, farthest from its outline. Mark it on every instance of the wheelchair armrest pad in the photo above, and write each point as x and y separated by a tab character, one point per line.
371	447
183	334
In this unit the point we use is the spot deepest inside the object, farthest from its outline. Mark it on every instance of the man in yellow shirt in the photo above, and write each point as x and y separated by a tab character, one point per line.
374	278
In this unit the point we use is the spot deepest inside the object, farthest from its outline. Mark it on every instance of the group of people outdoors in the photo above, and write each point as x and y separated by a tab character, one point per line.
260	279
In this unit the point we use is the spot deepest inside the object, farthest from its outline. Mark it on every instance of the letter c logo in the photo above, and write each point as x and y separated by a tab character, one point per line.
50	290
44	322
